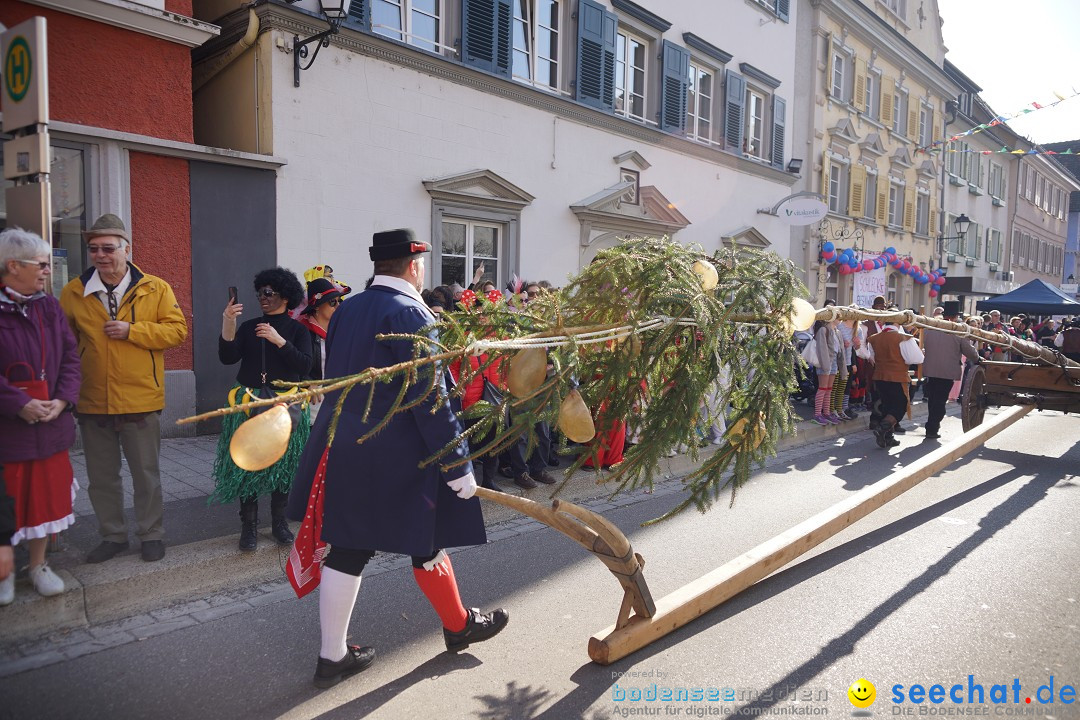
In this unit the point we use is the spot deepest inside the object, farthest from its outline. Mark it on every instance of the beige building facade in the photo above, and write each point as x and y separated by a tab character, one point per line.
871	98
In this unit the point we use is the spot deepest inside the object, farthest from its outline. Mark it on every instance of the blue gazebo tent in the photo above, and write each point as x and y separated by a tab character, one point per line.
1034	298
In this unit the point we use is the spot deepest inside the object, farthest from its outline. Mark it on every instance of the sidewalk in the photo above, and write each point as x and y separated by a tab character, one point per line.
202	557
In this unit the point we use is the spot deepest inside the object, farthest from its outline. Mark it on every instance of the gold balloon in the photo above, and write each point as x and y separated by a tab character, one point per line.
527	371
261	441
741	434
575	420
706	272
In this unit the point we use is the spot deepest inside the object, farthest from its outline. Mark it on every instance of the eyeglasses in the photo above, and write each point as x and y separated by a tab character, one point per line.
533	293
267	293
107	249
42	264
334	303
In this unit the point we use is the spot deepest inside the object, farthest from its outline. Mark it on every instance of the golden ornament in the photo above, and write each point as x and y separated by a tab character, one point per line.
706	272
261	441
741	434
528	369
575	420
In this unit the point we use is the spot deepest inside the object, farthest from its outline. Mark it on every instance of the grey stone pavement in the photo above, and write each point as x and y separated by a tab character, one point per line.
97	612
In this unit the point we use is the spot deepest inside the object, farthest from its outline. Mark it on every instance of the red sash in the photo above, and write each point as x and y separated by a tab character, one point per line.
305	561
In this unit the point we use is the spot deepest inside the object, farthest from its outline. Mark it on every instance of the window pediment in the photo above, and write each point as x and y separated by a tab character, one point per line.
872	145
844	131
747	237
926	167
609	210
478	187
633	156
901	157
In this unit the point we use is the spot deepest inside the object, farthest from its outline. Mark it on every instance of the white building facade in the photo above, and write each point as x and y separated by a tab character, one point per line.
522	135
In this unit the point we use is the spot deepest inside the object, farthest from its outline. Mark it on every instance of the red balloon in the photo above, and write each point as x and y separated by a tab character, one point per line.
868	264
828	255
939	280
933	293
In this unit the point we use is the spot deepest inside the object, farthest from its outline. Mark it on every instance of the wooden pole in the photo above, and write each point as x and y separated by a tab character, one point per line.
1030	350
707	592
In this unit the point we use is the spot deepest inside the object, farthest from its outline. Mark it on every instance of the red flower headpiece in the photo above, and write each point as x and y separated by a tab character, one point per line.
494	296
468	299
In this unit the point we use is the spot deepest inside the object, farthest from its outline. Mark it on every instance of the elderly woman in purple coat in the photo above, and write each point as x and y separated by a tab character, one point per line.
39	385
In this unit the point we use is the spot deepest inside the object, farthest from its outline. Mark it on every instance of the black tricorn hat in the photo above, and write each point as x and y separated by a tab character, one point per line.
391	244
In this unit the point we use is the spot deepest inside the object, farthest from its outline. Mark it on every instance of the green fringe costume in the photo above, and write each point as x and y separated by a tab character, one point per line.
232	483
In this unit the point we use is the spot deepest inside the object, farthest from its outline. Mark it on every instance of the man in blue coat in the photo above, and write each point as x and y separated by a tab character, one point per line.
375	497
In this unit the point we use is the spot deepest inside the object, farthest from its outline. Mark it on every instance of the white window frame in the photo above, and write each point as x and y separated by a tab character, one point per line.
844	66
870	196
926	121
900	111
694	103
624	74
873	95
896	7
405	32
922	212
532	50
490	273
895	217
755	123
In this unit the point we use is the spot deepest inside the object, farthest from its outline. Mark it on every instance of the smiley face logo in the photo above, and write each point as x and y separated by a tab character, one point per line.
862	693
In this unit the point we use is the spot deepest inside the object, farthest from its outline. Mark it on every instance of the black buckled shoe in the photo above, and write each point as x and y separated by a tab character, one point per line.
478	628
328	673
107	550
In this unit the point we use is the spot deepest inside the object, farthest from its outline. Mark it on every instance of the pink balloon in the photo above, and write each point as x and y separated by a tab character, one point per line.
868	264
933	293
939	280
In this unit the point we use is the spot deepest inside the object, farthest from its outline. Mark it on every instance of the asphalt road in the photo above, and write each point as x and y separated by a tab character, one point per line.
972	573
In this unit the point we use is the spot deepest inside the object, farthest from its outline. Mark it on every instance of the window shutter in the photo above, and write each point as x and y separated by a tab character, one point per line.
779	110
909	209
782	7
860	100
734	110
596	55
882	203
931	226
360	13
857	191
485	34
913	121
888	87
676	84
937	129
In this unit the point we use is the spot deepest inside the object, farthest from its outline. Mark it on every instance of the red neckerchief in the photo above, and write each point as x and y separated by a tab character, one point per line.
313	326
305	561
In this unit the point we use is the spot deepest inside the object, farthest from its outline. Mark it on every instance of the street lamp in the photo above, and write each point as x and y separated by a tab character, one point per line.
960	227
335	12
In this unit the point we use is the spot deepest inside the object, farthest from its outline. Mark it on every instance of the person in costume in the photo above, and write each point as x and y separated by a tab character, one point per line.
39	386
892	351
374	496
323	298
270	347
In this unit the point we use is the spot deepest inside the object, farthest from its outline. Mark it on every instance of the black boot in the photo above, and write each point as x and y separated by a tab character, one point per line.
279	526
488	473
249	521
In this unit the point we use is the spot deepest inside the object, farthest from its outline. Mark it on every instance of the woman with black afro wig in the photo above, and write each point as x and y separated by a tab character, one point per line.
270	347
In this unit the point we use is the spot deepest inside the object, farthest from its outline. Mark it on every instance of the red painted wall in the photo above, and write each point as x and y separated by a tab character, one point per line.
161	233
104	76
180	7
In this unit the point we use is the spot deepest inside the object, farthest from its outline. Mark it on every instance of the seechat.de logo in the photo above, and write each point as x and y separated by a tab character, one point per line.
862	693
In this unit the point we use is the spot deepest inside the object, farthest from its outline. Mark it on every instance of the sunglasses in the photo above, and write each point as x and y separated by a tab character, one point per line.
267	293
334	303
42	264
107	249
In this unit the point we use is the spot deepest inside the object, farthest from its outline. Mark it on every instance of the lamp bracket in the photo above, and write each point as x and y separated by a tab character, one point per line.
300	50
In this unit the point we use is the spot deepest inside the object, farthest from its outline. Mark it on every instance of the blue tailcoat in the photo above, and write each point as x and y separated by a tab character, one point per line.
376	496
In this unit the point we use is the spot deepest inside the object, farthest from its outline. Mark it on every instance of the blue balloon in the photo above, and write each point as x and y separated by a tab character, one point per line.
890	250
828	247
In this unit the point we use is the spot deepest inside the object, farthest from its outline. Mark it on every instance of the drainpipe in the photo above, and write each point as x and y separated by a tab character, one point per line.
208	70
950	118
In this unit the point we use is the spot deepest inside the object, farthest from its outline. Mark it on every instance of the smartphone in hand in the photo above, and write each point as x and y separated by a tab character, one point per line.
232	294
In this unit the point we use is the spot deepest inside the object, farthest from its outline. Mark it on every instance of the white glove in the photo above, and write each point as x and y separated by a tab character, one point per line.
464	486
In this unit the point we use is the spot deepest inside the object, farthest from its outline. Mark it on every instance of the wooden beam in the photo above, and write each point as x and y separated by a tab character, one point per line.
707	592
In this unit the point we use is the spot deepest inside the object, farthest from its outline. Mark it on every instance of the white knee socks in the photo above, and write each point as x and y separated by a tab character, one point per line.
337	596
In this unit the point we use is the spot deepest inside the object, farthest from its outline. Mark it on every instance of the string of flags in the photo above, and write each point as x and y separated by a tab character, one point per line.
848	263
1002	120
1005	150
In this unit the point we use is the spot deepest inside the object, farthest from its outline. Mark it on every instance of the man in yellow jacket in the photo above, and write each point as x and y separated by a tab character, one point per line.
124	320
